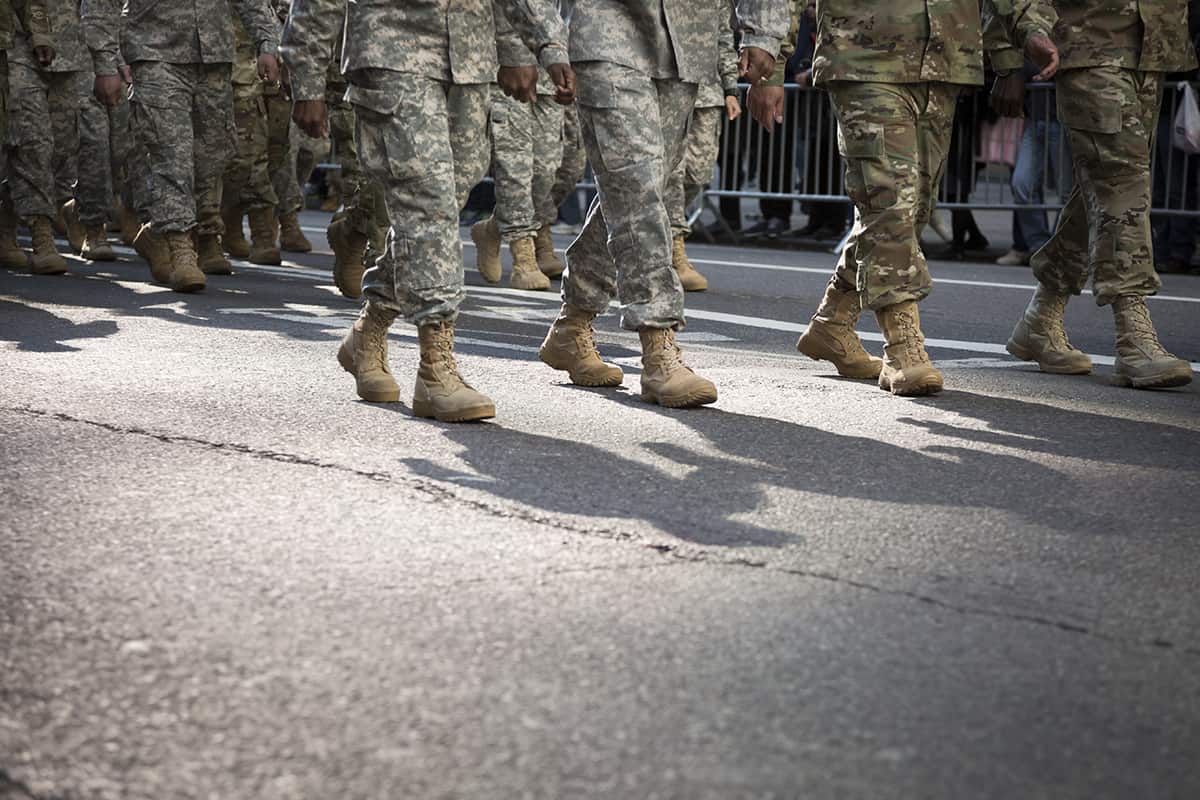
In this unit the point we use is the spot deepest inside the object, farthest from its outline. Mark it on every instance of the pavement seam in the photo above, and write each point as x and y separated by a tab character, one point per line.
437	491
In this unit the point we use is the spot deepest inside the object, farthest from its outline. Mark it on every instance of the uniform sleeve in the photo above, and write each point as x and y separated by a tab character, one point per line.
261	23
763	23
727	56
510	49
37	22
788	47
101	21
539	26
308	42
1007	24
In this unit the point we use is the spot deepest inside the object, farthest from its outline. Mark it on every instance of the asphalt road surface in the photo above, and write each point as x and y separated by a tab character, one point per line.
224	577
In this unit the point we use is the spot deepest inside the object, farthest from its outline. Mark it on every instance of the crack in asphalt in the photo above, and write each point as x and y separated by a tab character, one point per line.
435	492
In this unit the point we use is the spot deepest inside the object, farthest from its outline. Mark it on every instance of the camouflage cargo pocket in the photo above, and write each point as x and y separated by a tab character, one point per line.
869	180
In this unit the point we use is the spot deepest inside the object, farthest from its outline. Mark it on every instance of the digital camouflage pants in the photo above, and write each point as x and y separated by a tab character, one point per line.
527	150
571	167
182	116
362	197
633	128
425	141
1110	115
41	167
894	139
695	169
104	148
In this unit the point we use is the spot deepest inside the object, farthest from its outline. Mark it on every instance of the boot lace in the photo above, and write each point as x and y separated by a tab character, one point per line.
1140	325
445	364
914	341
1056	307
671	357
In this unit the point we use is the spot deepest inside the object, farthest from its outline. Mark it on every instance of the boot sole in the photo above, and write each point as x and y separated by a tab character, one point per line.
691	400
923	389
819	355
50	271
472	414
189	288
1024	354
532	288
1170	379
347	363
580	381
296	249
109	256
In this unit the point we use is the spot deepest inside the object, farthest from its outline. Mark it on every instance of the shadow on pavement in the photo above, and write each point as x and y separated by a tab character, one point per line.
39	331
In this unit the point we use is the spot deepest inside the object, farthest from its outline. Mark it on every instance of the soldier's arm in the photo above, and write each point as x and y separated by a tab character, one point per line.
539	26
727	59
1007	27
510	48
101	21
307	44
261	23
788	46
763	23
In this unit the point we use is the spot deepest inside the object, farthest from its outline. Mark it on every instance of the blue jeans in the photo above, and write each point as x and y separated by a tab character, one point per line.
1041	149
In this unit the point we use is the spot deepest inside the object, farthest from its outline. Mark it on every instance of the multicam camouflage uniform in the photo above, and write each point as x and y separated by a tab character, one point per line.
41	99
638	66
363	206
420	79
246	183
182	102
893	72
703	143
1115	54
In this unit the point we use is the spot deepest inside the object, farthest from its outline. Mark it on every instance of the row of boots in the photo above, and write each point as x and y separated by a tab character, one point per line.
441	393
535	262
905	369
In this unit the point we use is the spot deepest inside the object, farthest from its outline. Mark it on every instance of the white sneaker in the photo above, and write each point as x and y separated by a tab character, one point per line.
1013	258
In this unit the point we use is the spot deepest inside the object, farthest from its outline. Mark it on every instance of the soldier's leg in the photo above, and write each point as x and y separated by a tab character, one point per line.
63	97
547	160
93	189
574	161
515	218
693	174
413	152
281	154
11	255
214	143
31	163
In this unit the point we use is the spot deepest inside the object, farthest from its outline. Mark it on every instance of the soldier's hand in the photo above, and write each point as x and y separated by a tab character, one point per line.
1008	95
564	83
733	109
310	115
268	67
755	64
108	89
45	55
766	105
1043	53
519	83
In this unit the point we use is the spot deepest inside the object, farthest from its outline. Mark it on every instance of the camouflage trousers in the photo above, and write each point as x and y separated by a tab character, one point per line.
695	169
282	147
182	115
246	184
527	150
634	128
894	139
41	167
4	123
425	142
1110	115
104	148
362	197
571	168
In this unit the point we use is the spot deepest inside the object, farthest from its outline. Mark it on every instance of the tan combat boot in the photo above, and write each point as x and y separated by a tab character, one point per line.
291	238
11	254
348	247
96	246
262	238
150	245
128	223
525	273
234	238
1142	362
1040	336
185	273
74	228
666	380
486	236
907	370
209	257
831	337
441	393
547	260
692	280
571	346
364	355
46	259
